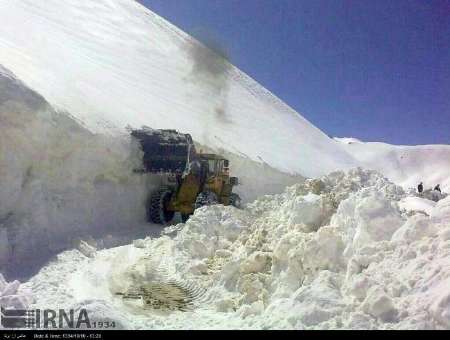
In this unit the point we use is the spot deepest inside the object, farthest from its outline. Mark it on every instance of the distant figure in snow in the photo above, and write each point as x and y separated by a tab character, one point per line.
438	188
420	188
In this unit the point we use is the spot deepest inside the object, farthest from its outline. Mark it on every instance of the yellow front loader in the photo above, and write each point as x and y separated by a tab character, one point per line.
193	179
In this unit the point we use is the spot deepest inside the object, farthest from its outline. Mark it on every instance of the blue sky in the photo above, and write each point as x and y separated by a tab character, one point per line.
375	70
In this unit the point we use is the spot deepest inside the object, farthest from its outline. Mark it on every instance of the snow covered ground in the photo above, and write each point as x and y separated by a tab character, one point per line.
338	252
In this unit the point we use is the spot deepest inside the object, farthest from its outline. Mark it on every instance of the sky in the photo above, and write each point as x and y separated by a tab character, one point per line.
374	70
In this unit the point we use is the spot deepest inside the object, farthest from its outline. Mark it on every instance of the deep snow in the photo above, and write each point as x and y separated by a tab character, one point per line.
60	182
351	250
338	252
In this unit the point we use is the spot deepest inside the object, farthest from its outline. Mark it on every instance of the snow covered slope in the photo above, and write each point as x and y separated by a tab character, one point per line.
113	63
405	165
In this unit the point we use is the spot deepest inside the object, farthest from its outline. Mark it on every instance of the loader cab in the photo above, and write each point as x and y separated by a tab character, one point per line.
215	165
217	178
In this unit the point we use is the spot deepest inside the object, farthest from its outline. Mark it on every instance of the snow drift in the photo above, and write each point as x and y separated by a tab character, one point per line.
337	252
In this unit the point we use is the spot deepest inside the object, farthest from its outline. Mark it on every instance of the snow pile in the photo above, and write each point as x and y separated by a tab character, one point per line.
10	298
337	252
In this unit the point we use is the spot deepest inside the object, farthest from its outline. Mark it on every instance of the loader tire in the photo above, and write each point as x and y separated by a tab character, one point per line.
206	198
157	207
235	200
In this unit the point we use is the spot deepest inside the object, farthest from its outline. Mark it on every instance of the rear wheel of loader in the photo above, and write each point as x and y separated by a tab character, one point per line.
235	200
206	198
157	207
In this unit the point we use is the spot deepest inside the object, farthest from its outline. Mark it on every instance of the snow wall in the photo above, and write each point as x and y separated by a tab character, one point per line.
60	183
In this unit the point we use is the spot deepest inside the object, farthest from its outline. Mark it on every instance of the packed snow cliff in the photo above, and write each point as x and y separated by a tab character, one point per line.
344	251
60	182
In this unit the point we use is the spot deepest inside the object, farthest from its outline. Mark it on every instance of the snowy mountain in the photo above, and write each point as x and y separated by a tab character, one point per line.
405	165
115	63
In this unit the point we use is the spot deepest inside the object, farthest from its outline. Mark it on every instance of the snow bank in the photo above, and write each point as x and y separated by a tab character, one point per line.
336	252
58	181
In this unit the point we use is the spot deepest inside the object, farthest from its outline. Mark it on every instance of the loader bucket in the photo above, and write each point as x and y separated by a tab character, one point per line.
165	151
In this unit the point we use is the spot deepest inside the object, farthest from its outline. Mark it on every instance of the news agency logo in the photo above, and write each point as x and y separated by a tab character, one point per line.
43	319
17	318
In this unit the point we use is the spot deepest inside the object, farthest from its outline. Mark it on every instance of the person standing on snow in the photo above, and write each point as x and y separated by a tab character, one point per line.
420	188
438	188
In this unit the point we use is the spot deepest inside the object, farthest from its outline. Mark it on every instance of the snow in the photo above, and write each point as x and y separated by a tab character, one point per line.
10	297
343	248
112	64
115	63
61	183
417	204
404	165
365	265
347	140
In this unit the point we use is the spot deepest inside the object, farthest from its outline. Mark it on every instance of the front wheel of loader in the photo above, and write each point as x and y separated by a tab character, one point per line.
157	207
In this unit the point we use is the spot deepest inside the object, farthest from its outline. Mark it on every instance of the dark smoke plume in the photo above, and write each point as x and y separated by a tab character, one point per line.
210	70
